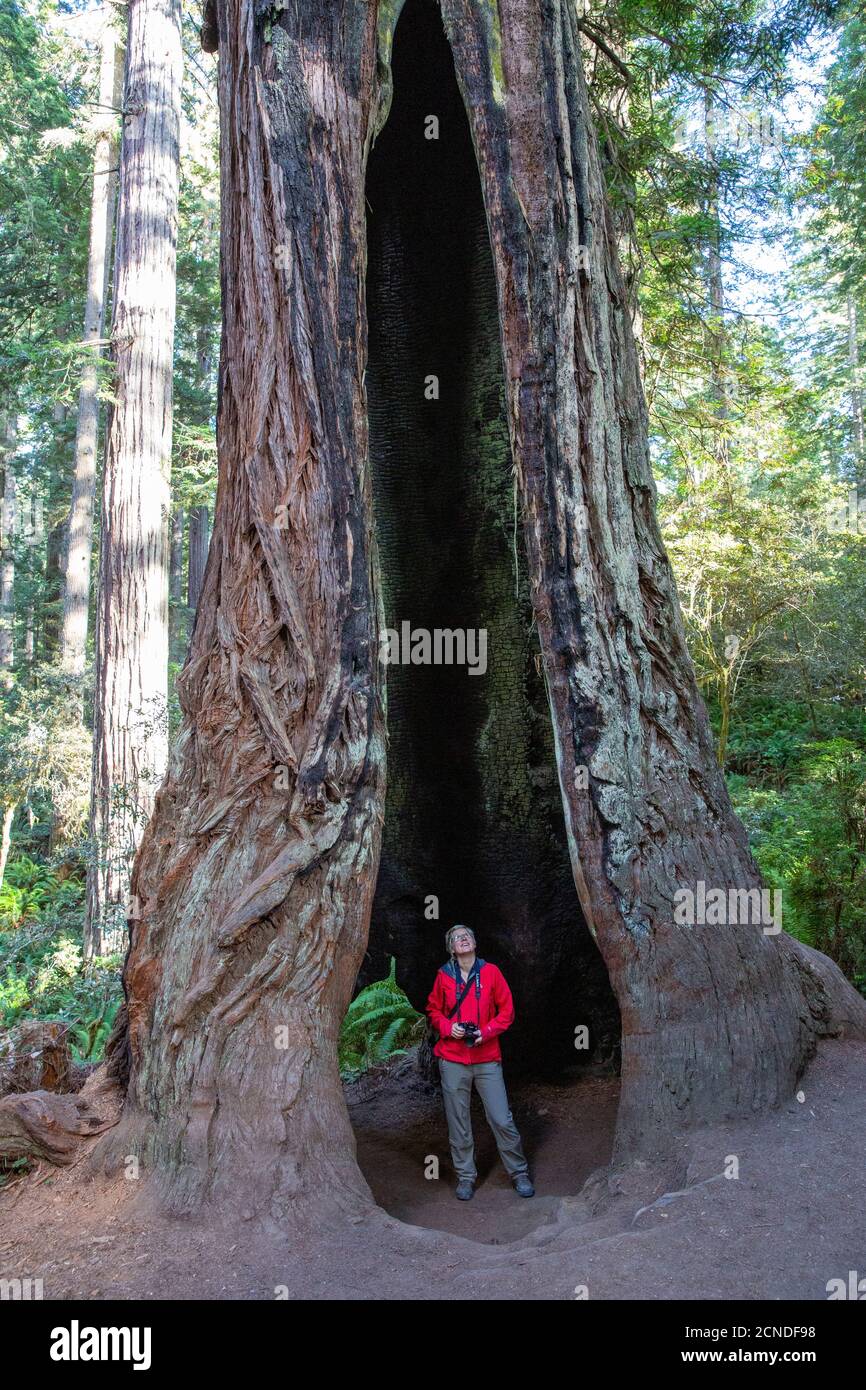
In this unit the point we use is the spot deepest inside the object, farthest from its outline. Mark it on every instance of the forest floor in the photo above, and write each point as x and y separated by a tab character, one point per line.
794	1219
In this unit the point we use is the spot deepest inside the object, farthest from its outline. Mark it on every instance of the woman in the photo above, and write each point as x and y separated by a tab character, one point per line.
469	1006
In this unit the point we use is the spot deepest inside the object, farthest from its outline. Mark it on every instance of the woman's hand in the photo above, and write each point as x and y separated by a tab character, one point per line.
457	1031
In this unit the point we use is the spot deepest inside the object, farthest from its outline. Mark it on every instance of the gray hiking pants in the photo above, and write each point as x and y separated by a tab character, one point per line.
457	1079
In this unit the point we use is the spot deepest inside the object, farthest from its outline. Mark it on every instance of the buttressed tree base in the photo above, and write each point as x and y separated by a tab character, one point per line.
255	881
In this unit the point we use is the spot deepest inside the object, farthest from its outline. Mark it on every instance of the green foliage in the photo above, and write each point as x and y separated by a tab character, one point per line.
42	975
43	168
16	1168
198	313
753	432
33	892
49	64
380	1023
804	806
774	739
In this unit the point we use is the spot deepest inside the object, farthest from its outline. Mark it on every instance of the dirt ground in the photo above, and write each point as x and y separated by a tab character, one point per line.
793	1219
567	1131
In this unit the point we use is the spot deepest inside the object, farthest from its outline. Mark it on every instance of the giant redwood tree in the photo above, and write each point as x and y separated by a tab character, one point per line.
255	880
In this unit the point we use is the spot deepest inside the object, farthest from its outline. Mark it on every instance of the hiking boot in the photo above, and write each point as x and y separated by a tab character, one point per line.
523	1185
465	1190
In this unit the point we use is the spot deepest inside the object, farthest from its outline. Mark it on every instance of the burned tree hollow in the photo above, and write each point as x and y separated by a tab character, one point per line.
474	827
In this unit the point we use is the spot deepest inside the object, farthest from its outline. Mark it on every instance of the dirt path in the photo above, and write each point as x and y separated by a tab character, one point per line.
567	1131
795	1217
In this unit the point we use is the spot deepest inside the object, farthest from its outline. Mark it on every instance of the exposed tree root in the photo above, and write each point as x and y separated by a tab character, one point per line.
43	1124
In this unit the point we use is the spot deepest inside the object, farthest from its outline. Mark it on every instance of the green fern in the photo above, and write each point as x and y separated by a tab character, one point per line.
380	1023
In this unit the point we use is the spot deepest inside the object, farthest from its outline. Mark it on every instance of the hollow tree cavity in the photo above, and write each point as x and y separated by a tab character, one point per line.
474	828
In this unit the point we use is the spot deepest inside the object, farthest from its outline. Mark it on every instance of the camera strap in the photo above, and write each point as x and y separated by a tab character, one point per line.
474	973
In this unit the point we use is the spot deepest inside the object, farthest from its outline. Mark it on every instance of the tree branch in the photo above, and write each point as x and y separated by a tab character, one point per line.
592	33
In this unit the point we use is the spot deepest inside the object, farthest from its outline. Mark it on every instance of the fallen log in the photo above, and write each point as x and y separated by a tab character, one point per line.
44	1125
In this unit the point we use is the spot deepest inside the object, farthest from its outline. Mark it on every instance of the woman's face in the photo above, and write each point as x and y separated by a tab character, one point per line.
462	943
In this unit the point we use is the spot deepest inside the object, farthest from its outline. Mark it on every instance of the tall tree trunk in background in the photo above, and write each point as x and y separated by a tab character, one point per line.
53	594
176	615
8	517
79	543
30	533
199	540
256	873
7	816
203	353
130	704
55	566
8	512
854	375
199	517
715	335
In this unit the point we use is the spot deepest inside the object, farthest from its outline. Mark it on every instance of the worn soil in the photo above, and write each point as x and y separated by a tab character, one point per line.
793	1219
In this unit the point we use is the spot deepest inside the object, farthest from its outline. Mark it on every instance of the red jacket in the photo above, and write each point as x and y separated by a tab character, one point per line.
492	1009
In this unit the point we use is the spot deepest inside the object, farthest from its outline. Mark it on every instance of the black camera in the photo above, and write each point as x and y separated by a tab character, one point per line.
471	1033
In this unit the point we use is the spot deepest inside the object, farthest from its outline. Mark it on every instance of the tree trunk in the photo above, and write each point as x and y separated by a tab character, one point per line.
857	428
130	705
255	877
199	517
176	619
53	589
199	539
715	336
30	532
7	818
8	520
79	542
